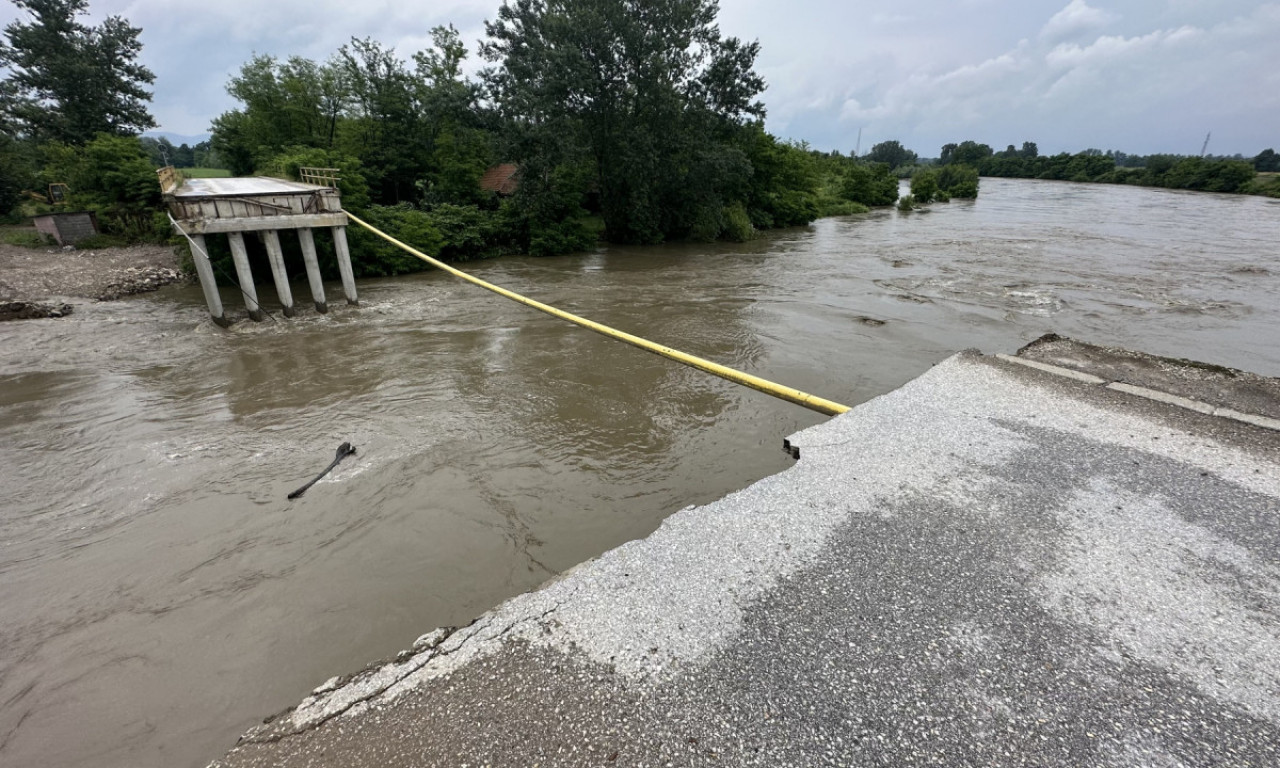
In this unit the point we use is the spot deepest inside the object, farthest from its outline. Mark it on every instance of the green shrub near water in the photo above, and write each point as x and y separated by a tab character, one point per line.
870	184
958	181
924	187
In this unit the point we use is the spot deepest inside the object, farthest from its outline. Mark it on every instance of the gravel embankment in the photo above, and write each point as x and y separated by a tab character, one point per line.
31	276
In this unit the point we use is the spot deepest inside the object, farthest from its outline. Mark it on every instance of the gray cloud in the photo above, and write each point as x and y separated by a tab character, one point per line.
1137	75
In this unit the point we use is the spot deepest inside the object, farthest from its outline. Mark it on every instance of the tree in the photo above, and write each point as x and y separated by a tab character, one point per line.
966	153
70	82
891	153
1267	161
870	185
649	94
924	186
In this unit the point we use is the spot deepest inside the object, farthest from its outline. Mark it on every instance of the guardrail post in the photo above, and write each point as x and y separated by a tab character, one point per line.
276	257
241	258
308	242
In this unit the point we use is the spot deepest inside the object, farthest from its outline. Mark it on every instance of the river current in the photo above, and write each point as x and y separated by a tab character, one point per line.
159	594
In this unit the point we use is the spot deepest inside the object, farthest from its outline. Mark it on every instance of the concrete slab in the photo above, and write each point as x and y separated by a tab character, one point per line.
1213	384
992	565
246	186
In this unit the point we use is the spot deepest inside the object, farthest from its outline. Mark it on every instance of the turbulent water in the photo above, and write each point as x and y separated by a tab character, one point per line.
158	593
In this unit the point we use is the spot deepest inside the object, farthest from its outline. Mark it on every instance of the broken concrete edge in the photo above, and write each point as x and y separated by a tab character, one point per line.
1190	404
534	614
1179	362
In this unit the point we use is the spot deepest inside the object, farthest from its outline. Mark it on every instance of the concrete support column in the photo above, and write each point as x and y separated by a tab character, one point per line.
241	257
276	257
308	242
344	264
208	283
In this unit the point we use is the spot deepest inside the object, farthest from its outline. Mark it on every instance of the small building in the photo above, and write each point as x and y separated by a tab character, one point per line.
68	228
501	179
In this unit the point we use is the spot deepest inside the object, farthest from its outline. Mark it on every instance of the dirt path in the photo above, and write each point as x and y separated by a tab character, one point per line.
31	275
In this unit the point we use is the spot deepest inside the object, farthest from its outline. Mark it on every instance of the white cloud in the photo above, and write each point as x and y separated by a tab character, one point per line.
1064	74
1076	19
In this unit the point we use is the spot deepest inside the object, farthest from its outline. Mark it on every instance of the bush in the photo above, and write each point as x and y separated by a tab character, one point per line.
870	185
835	206
373	256
351	180
112	177
737	226
924	186
959	181
553	238
906	203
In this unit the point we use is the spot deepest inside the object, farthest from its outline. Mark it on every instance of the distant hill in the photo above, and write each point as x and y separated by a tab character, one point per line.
178	139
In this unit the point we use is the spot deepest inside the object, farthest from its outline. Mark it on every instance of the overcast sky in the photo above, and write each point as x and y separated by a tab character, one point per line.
1140	76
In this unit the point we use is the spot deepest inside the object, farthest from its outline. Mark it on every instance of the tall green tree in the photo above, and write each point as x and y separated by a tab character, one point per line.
648	93
69	81
965	153
892	153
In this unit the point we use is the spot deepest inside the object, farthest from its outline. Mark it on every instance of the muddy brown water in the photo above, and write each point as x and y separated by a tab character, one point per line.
159	594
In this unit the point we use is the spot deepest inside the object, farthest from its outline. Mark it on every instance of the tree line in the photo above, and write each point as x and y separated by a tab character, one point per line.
636	123
1210	174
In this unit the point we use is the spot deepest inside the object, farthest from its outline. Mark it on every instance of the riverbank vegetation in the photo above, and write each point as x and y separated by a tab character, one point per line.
1208	174
634	128
587	122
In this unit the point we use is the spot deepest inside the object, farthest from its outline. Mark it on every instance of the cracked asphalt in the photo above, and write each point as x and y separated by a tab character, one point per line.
989	566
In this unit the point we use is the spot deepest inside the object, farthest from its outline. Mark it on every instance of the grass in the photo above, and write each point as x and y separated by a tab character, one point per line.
205	173
23	237
98	242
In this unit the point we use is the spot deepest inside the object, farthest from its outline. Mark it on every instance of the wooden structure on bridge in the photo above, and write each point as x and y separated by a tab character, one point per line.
203	207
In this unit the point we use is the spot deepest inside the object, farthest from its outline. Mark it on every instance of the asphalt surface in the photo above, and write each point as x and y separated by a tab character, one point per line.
990	566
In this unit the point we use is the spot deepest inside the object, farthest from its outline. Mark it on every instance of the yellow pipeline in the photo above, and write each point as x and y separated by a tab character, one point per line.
811	402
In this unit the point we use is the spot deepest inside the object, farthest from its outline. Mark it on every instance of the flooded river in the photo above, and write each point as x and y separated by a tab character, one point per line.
159	594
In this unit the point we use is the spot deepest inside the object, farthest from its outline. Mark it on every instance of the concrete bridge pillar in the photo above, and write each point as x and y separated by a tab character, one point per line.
208	283
308	242
245	275
344	264
276	256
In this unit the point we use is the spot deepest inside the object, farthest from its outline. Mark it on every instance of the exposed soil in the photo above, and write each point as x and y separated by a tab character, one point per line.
30	275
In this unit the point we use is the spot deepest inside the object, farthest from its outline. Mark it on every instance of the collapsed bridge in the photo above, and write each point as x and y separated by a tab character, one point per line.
234	206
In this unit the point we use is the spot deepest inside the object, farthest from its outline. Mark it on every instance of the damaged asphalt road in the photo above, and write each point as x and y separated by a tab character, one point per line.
988	566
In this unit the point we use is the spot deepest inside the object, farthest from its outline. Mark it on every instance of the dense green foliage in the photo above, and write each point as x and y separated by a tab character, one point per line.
162	152
1092	165
924	188
111	176
70	82
1267	161
649	98
893	154
870	184
645	121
